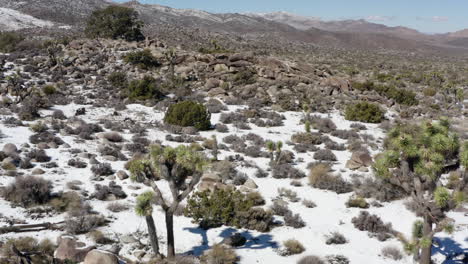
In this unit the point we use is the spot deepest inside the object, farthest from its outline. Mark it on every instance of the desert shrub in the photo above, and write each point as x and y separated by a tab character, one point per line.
39	155
292	247
142	59
324	154
364	112
102	169
102	192
76	163
116	22
66	201
80	219
260	173
311	260
188	113
30	245
337	259
309	203
307	138
222	128
49	89
27	191
357	202
144	89
373	224
255	219
323	125
226	169
296	183
219	254
256	198
213	209
118	79
58	114
30	107
280	207
289	194
392	253
215	106
332	145
345	134
294	220
321	178
239	179
379	189
336	238
231	118
284	171
117	207
112	136
228	207
429	91
9	41
45	137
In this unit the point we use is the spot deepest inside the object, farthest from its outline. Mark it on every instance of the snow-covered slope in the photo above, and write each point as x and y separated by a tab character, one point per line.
13	20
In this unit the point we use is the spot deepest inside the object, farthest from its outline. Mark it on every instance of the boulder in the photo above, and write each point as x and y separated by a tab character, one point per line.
122	175
362	158
37	171
250	184
9	149
69	248
100	257
352	165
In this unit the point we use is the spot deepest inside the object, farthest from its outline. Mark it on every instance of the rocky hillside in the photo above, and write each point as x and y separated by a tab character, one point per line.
282	26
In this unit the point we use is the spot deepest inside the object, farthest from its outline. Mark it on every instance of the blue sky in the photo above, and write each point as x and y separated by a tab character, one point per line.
430	16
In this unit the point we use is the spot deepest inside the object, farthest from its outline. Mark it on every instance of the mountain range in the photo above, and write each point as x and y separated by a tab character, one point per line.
359	34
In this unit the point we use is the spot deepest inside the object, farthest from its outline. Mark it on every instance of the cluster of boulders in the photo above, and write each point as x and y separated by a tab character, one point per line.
360	161
72	250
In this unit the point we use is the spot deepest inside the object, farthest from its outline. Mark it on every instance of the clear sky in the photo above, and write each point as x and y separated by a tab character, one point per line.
430	16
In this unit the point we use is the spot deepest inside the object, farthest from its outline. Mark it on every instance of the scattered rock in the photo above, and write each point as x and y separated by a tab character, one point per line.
122	175
100	257
69	248
10	149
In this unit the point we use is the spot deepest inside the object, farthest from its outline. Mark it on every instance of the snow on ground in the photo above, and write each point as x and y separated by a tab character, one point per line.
330	215
14	20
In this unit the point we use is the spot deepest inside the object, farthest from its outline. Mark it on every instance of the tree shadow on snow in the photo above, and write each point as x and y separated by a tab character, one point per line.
253	242
452	250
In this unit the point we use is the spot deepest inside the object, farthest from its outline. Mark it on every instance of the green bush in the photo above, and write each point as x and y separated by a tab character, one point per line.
9	41
115	22
118	79
227	207
400	96
146	88
188	113
142	59
49	89
364	112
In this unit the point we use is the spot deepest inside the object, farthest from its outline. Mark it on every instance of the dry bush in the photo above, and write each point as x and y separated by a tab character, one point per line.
357	202
256	198
45	248
293	247
373	224
392	252
27	191
337	259
308	203
311	260
294	220
289	194
324	154
280	208
219	254
285	170
321	178
117	207
336	238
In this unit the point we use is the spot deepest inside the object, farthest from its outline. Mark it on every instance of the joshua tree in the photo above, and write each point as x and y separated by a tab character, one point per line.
144	207
414	159
271	146
214	150
279	147
307	126
176	166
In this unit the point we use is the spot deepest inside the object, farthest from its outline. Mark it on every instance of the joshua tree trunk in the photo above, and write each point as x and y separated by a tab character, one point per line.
170	234
152	234
425	257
